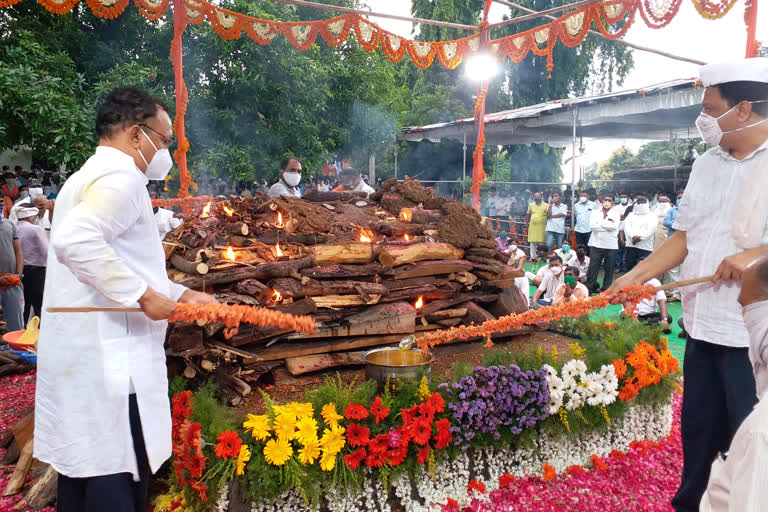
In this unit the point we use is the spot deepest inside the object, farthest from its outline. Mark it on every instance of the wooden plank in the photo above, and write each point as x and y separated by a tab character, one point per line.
448	313
43	492
263	271
414	282
232	350
307	364
477	314
511	300
433	268
343	253
19	476
422	252
337	301
345	271
393	318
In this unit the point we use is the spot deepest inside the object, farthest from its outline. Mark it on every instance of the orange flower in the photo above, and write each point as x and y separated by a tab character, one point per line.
229	445
233	314
574	469
620	367
627	393
598	462
549	472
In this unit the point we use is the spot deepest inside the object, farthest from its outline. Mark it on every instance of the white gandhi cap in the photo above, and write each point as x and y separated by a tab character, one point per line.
747	70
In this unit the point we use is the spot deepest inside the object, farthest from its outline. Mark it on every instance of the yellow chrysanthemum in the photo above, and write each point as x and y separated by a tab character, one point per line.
310	452
327	461
277	451
285	427
306	430
329	414
301	410
163	502
283	410
258	425
242	457
333	440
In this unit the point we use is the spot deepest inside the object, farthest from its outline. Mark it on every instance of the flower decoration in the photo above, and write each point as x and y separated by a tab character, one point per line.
229	445
355	412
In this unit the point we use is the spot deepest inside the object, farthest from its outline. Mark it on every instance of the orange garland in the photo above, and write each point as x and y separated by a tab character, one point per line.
9	281
234	314
578	308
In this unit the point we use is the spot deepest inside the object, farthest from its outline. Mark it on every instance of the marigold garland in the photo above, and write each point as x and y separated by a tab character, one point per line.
234	314
636	294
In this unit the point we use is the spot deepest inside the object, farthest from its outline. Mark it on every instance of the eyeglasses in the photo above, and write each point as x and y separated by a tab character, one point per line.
167	142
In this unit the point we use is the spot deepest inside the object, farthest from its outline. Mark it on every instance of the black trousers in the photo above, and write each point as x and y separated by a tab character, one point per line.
719	394
582	239
34	282
633	256
653	318
597	257
113	493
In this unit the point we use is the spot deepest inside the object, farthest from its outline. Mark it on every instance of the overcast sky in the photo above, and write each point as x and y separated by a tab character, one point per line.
688	35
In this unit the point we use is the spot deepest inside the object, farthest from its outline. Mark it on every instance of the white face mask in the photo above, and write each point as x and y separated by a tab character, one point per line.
557	270
512	248
160	165
710	130
641	209
582	199
292	178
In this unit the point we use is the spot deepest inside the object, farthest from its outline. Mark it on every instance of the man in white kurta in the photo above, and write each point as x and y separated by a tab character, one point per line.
98	373
720	229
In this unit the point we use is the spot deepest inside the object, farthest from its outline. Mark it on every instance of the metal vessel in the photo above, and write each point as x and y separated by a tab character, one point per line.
394	363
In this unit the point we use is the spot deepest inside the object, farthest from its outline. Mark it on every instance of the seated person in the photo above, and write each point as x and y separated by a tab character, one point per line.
580	260
545	269
571	289
351	181
503	242
517	259
565	252
553	277
647	310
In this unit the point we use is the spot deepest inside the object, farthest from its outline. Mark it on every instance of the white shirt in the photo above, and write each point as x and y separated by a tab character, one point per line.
605	230
712	313
515	256
166	222
557	225
364	187
34	244
323	188
104	251
643	226
550	283
280	189
583	267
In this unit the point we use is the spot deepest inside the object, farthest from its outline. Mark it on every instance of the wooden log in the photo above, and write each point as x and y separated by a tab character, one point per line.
254	334
14	369
185	337
447	313
288	287
511	300
343	253
420	215
298	238
476	314
432	268
346	271
448	322
423	252
414	282
397	228
307	364
482	252
394	318
433	307
251	287
19	476
11	454
169	249
240	241
339	301
238	385
316	288
190	267
238	228
8	357
466	278
262	271
427	292
43	492
254	372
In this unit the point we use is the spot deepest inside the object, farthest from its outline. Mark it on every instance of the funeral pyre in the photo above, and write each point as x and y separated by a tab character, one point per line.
368	271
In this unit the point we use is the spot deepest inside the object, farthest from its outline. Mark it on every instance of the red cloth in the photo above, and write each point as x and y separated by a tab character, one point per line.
12	193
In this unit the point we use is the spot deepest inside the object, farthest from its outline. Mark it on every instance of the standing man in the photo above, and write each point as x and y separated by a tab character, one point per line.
34	246
582	210
604	244
719	384
556	213
290	177
639	230
537	222
11	262
102	415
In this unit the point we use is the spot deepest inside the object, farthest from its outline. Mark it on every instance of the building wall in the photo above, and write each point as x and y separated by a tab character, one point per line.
18	156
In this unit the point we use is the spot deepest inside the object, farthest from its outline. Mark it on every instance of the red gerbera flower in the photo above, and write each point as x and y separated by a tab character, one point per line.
229	445
397	456
549	472
427	410
201	488
354	459
422	431
423	454
406	433
505	481
182	404
443	436
378	411
574	469
355	412
375	460
639	446
409	415
379	444
474	485
450	506
616	454
437	401
598	462
357	435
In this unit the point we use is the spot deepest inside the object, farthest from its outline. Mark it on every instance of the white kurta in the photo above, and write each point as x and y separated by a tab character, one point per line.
166	222
104	251
280	189
643	226
712	313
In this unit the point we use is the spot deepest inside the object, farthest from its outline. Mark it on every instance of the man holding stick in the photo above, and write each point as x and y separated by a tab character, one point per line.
102	415
719	385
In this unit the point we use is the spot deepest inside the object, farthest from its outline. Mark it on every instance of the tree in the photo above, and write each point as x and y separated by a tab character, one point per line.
621	159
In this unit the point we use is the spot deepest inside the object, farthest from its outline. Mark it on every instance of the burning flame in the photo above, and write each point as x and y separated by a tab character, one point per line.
366	236
230	254
276	296
419	302
406	214
406	237
228	211
278	252
279	220
206	210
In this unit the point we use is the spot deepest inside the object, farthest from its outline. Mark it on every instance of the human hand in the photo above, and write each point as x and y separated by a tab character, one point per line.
664	321
732	268
635	239
193	297
156	305
614	292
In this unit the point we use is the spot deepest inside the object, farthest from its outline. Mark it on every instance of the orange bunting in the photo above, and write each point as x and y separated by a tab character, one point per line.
232	315
152	10
107	9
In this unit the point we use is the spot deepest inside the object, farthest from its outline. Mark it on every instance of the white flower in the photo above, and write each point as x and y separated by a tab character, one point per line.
574	403
573	368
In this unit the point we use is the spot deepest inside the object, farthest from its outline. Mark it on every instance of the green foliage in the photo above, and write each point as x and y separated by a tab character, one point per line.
334	390
177	385
461	369
214	416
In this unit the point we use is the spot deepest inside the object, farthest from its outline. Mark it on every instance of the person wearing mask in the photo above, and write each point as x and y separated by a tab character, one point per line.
555	229
720	229
102	414
582	211
738	478
545	270
34	246
603	244
673	274
537	222
545	293
572	289
517	259
639	230
580	261
21	175
671	216
351	181
502	241
11	186
11	262
653	310
565	252
290	177
261	187
661	209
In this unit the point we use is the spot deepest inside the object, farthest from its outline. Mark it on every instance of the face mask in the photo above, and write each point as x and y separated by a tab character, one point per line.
624	200
617	200
292	178
582	199
710	130
557	270
677	202
641	209
566	247
607	205
538	200
512	248
160	165
581	254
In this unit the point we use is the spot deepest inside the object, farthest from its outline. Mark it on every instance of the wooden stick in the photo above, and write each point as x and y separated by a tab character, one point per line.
681	284
94	310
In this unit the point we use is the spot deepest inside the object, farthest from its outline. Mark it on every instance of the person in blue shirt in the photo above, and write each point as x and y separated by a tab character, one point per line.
582	210
671	216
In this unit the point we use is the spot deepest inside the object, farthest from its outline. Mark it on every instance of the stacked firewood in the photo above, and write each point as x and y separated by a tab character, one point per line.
369	271
11	364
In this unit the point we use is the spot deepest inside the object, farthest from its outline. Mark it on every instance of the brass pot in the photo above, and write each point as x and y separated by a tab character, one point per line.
392	363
